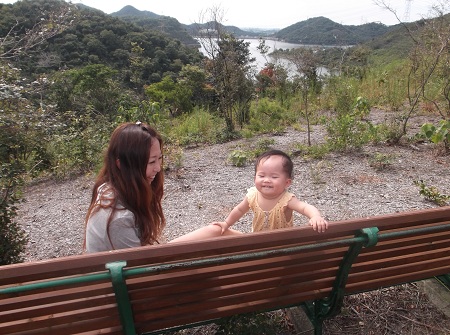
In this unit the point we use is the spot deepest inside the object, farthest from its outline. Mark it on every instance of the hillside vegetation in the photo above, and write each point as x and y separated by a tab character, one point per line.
151	21
323	31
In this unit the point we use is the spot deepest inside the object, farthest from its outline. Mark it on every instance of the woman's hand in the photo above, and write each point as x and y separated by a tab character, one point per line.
221	224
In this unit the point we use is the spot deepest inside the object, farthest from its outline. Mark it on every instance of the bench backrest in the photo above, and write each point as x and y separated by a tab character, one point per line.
155	287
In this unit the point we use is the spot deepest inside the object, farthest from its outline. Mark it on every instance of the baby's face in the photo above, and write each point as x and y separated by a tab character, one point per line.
270	178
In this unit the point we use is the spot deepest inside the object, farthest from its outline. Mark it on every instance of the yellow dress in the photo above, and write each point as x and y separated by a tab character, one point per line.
273	219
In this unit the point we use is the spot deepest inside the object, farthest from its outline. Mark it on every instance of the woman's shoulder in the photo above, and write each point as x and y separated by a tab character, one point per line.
106	195
105	189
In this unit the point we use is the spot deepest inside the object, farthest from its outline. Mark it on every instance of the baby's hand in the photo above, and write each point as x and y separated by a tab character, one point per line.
221	224
318	223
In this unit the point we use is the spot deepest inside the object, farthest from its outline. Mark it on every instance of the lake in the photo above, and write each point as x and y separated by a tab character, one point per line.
272	45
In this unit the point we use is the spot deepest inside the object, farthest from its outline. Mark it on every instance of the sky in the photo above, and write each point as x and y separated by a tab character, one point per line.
273	14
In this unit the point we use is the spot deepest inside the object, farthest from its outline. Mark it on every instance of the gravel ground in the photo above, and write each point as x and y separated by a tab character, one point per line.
205	189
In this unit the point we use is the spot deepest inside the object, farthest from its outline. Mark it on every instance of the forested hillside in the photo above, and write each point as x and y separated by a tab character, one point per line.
150	21
96	38
323	31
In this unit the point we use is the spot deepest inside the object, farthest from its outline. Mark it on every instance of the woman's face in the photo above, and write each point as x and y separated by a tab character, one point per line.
154	161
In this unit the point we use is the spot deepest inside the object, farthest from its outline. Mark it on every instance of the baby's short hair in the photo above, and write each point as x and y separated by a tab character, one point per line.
288	165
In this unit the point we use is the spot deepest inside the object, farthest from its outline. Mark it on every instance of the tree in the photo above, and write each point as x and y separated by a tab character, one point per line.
195	77
19	123
92	87
175	96
306	63
229	65
46	20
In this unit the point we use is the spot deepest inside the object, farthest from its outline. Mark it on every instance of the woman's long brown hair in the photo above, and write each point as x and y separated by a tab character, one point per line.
130	145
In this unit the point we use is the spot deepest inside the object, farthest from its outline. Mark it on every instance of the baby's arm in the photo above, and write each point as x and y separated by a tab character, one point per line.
315	218
234	215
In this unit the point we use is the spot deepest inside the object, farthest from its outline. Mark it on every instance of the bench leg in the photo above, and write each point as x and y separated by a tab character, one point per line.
318	328
121	294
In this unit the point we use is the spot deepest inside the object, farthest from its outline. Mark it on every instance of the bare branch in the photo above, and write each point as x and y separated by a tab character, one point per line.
53	23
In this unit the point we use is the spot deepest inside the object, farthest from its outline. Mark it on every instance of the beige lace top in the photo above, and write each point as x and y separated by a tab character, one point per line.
273	219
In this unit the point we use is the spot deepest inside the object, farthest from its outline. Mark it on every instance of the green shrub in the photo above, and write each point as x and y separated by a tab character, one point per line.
198	127
380	161
78	144
241	157
262	146
351	130
238	157
432	194
268	116
316	151
13	238
439	134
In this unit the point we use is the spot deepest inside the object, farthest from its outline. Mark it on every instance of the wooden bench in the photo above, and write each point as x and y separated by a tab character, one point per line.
173	286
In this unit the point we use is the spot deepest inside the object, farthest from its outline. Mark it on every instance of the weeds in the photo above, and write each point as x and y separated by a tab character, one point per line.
317	151
432	194
241	157
380	161
250	324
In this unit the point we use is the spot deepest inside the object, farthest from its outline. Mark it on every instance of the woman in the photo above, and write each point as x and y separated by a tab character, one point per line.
125	209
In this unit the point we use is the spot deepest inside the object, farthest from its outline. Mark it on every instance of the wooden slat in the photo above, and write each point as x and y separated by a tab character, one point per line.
52	295
85	320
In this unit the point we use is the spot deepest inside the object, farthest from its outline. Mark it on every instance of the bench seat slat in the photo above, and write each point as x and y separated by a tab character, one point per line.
374	284
85	320
196	274
31	298
56	308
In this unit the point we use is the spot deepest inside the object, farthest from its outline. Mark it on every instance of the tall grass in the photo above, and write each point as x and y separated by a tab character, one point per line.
268	115
200	126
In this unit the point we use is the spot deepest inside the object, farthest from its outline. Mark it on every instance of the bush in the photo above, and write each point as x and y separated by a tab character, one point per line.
241	157
13	238
238	157
350	130
198	127
78	143
431	193
268	116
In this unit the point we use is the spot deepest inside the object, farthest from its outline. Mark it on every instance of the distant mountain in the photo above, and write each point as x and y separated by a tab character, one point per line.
194	28
128	11
323	31
164	24
317	31
83	6
314	31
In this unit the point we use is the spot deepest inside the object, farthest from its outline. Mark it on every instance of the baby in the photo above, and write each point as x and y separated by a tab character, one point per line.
271	203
